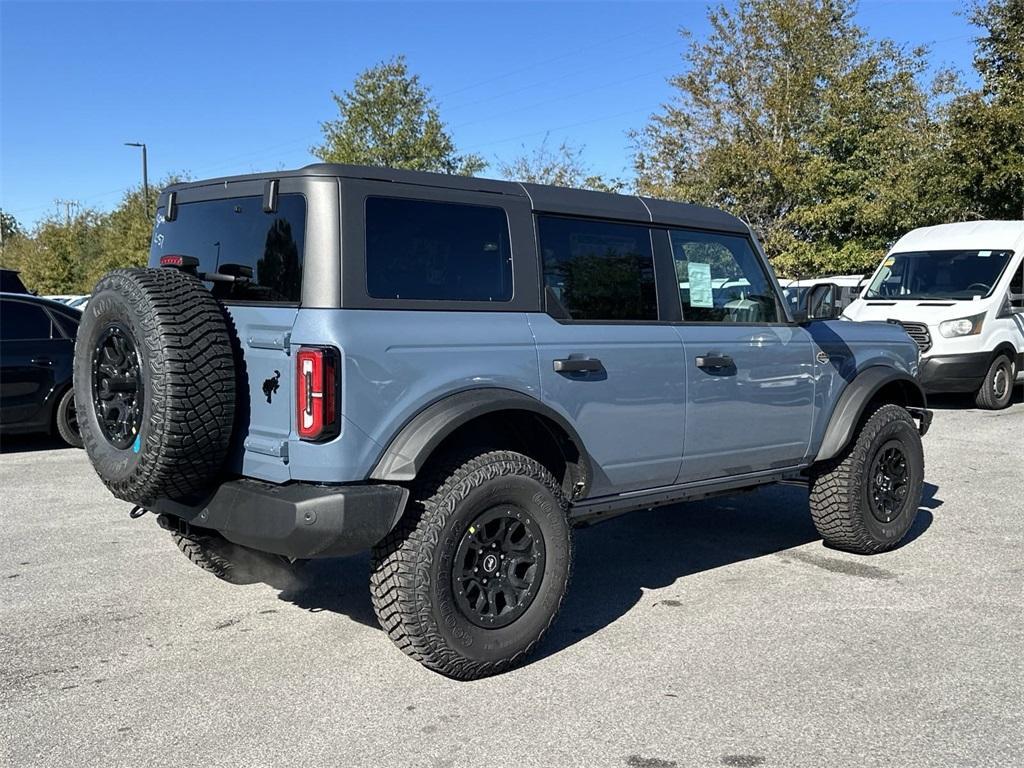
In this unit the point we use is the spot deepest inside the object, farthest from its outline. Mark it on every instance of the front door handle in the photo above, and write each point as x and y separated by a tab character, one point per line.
43	361
714	361
577	365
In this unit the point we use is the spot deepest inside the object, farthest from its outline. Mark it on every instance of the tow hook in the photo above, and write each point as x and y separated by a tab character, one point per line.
137	512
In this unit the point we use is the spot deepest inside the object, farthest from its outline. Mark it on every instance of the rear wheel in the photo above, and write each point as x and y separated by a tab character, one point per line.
67	420
997	390
475	573
866	499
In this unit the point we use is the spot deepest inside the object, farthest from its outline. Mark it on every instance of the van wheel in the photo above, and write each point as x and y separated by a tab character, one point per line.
67	420
866	499
997	390
475	572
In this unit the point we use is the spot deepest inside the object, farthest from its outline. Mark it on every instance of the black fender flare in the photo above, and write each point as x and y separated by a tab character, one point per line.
855	398
412	446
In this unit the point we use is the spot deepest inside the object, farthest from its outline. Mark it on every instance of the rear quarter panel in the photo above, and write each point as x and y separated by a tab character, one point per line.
395	363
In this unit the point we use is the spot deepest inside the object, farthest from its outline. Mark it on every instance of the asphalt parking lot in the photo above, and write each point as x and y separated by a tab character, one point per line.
709	634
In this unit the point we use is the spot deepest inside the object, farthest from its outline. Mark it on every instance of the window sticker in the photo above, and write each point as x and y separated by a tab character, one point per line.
700	284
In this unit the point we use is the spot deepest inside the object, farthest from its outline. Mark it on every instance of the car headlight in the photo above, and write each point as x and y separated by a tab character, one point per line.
965	326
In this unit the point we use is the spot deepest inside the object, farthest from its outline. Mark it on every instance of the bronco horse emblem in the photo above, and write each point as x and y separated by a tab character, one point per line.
271	385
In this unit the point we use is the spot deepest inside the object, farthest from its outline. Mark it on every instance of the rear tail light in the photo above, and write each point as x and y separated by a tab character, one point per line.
316	393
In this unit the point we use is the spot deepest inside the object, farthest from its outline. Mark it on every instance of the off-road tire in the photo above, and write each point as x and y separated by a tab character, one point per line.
988	397
67	421
188	373
840	488
411	578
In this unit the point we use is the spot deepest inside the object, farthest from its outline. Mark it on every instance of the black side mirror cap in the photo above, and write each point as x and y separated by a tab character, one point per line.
821	302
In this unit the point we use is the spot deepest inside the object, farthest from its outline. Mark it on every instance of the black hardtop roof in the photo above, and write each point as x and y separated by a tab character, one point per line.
543	197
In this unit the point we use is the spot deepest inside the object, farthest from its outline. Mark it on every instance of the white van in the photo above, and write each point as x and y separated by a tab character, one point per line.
958	289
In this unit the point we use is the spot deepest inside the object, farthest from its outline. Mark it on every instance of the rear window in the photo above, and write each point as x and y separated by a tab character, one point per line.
234	237
420	249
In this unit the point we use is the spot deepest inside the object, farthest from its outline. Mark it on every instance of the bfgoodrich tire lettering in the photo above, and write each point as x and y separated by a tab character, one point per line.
842	501
412	583
180	336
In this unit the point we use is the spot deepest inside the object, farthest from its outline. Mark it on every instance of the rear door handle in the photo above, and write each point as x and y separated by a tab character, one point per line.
577	365
714	361
43	361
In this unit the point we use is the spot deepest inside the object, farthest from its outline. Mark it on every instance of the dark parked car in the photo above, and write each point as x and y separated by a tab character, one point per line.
37	348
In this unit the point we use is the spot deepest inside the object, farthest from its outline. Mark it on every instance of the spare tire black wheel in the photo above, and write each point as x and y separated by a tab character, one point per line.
154	384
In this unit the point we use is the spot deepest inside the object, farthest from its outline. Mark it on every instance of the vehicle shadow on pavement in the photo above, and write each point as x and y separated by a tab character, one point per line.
618	560
338	585
25	443
965	401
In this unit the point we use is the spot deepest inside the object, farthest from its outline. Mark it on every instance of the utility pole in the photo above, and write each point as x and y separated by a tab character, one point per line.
68	205
145	173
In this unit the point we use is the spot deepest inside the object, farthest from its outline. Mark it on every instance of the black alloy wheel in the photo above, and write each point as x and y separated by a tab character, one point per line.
117	386
890	482
498	567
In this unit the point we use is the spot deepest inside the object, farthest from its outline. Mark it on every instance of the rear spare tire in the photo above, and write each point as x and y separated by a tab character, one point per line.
154	384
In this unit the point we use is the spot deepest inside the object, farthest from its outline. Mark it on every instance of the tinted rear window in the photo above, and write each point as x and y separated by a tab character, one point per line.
419	249
235	237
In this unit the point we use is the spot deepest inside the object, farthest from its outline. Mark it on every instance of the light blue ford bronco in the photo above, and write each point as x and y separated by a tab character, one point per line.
453	372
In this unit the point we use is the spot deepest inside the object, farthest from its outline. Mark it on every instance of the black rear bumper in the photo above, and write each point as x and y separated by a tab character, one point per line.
297	520
954	373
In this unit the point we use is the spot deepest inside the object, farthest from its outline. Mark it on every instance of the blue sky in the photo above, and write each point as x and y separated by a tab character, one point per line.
222	88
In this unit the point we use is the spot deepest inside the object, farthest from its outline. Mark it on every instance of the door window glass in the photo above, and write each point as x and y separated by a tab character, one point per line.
721	279
1017	288
597	270
20	321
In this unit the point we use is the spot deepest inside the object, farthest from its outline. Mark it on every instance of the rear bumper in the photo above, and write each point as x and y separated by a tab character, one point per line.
954	373
297	520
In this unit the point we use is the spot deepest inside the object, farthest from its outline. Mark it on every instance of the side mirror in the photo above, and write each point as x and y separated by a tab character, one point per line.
821	303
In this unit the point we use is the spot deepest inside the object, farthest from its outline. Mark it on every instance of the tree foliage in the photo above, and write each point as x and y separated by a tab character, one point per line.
789	116
562	166
388	118
986	127
68	254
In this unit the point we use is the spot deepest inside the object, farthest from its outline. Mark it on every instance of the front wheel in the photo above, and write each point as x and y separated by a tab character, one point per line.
997	390
866	499
475	572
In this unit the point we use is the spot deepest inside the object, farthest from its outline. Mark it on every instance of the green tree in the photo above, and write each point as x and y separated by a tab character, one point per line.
125	234
986	127
562	166
388	118
791	118
55	258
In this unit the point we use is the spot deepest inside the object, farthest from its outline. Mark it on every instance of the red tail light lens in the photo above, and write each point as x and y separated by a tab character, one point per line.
316	393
